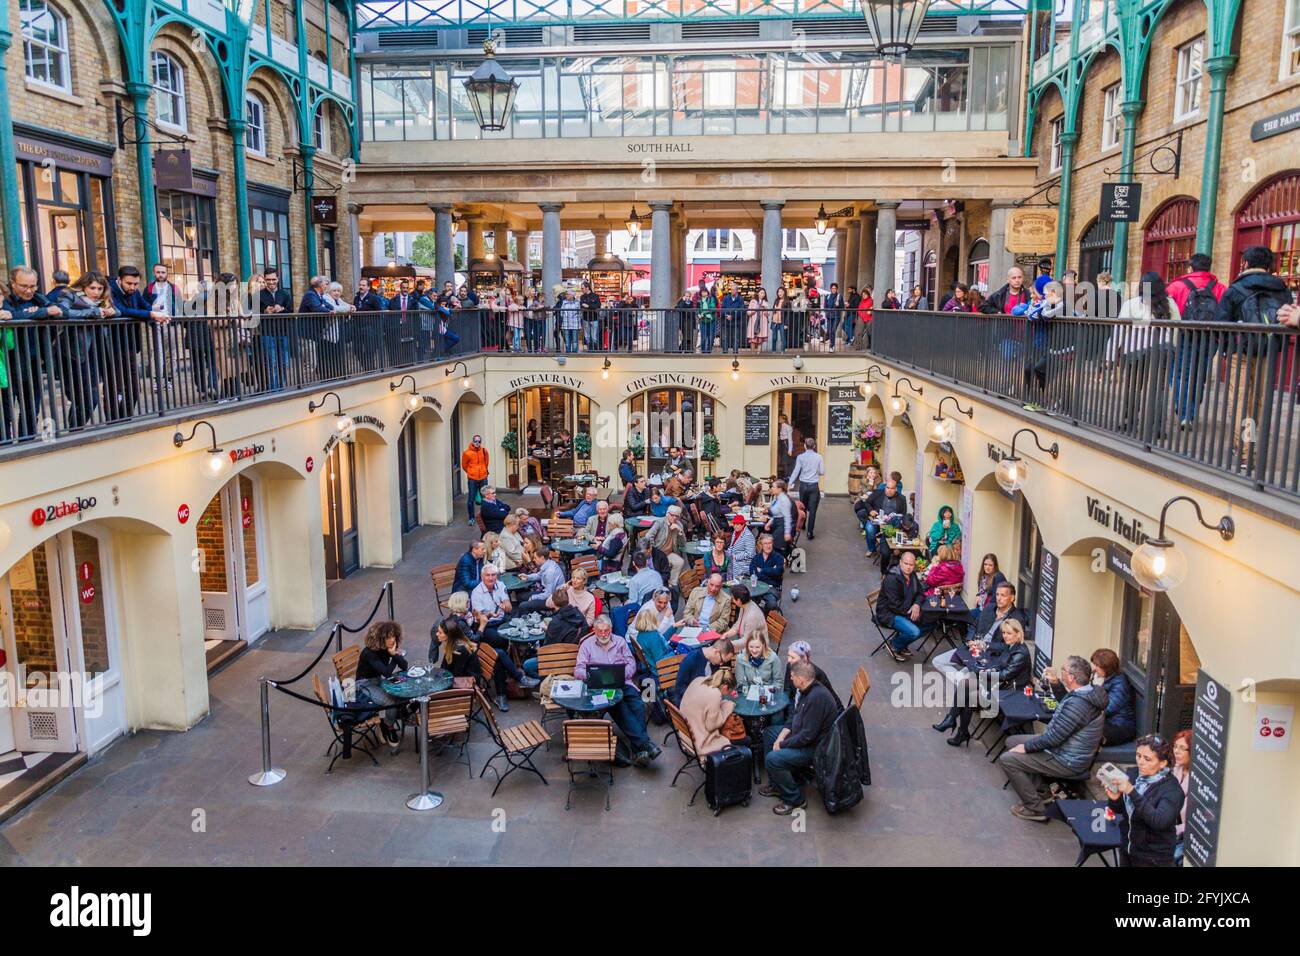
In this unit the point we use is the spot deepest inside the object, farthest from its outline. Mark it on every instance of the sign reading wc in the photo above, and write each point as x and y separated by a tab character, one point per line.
76	909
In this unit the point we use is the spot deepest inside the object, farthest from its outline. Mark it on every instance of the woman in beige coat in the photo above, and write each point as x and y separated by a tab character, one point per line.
759	314
706	705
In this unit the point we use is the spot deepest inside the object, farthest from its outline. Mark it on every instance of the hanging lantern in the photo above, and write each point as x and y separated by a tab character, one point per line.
894	24
491	92
633	224
822	221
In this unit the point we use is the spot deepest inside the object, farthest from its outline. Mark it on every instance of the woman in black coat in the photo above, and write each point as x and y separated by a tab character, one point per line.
1148	803
1014	671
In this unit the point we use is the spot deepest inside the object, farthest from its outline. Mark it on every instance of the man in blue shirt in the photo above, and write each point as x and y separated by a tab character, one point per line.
584	509
493	511
548	579
701	662
469	568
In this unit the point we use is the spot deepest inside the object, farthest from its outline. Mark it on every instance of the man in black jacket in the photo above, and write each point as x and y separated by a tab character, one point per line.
273	332
1012	294
793	747
882	504
988	627
24	361
899	606
636	499
590	303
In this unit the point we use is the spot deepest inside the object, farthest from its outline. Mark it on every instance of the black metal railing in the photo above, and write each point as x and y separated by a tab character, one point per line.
1224	396
63	377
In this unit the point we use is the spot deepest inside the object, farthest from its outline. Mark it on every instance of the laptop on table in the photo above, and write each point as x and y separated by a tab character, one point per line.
602	677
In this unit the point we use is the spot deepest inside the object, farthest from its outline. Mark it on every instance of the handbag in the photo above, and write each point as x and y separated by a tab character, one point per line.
463	683
734	728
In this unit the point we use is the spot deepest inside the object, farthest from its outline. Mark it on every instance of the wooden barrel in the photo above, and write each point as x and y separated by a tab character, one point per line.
857	476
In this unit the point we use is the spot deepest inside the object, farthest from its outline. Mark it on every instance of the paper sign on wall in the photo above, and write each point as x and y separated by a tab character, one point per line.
1274	724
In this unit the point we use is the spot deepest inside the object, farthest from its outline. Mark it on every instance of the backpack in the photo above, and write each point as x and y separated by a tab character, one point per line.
1201	305
1260	308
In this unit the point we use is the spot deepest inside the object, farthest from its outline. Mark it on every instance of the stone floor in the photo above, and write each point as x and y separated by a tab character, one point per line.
183	798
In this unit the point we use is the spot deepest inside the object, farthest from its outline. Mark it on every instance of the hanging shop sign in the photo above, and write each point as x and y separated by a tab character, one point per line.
845	393
758	424
1275	125
172	169
63	509
1120	202
1112	519
546	378
1209	755
840	418
324	210
674	379
1031	230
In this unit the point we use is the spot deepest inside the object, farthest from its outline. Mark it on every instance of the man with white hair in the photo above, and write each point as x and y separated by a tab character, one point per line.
668	536
490	604
584	509
628	714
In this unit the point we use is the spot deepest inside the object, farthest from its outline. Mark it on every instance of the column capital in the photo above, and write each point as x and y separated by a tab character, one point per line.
355	207
772	204
888	203
854	223
1220	65
1131	108
550	206
441	206
661	204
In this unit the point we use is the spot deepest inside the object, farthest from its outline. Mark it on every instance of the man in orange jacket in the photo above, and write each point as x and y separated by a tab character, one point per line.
474	462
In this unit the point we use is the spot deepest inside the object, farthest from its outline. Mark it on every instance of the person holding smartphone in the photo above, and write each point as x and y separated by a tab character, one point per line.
1148	801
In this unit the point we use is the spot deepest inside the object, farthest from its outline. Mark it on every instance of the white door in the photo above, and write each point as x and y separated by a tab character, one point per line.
231	577
247	543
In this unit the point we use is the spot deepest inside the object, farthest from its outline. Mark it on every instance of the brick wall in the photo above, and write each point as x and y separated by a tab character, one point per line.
94	626
34	619
211	532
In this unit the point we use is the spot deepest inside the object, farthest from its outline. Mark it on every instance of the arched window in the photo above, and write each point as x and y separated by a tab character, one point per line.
1170	239
45	44
666	418
794	240
1271	217
168	90
977	265
255	116
321	128
1096	248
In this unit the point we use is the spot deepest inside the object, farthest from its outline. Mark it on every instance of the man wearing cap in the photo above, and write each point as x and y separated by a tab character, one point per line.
474	462
740	549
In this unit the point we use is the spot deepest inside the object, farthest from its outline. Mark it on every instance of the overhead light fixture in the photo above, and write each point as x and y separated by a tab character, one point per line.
491	91
342	421
865	389
897	403
465	380
633	223
604	369
894	25
216	463
822	222
1158	565
413	401
1011	472
735	370
942	429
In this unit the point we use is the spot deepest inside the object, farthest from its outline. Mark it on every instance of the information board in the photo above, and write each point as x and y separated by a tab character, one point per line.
758	424
1209	754
841	424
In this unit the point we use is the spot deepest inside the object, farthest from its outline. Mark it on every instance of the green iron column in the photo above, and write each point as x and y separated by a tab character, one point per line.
1218	68
1131	109
1068	140
308	184
238	127
140	94
9	206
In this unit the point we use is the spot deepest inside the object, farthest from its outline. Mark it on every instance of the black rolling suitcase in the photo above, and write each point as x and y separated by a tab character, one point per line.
728	776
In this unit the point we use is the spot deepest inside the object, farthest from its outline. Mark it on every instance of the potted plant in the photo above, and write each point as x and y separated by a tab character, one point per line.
510	443
582	449
710	447
867	437
636	445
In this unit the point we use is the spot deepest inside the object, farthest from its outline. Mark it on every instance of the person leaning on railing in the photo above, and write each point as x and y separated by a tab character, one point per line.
85	300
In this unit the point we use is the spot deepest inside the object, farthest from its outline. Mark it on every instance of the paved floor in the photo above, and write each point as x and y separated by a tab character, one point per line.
183	798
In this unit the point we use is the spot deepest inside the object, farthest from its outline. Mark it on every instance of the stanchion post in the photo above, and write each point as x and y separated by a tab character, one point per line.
426	799
338	637
269	776
388	586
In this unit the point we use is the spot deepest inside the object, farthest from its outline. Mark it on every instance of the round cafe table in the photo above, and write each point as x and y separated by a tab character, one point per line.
589	703
756	717
756	591
405	687
513	582
614	585
570	548
521	636
697	549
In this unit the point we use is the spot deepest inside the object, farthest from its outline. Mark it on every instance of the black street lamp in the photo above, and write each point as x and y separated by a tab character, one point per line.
894	24
491	92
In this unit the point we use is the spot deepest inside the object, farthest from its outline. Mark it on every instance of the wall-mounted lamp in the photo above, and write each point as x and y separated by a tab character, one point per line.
342	421
604	369
866	388
415	399
1158	565
216	463
1011	473
735	370
465	380
897	403
943	429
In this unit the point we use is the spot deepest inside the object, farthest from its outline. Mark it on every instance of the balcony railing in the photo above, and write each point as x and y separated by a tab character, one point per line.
68	377
1222	396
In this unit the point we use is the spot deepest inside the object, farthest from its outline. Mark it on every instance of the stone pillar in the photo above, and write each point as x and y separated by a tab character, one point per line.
474	236
552	266
444	250
676	253
771	251
661	251
354	244
841	247
501	240
602	242
377	257
886	227
999	259
866	250
521	251
848	272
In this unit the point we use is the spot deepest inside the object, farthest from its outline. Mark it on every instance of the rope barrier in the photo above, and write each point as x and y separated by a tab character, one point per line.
335	634
383	592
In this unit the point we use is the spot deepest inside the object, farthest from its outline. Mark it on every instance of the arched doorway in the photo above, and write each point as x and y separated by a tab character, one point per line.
1271	217
946	484
1169	238
977	265
232	569
902	454
1096	250
661	419
338	499
62	647
930	281
800	408
546	420
408	476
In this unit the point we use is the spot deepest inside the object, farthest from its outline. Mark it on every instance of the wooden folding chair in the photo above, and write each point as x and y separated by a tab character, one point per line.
861	684
686	744
775	629
449	715
444	582
558	528
487	668
591	742
589	563
555	660
666	675
516	744
345	663
362	730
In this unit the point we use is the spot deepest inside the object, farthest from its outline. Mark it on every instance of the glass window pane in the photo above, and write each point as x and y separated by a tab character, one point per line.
93	619
248	522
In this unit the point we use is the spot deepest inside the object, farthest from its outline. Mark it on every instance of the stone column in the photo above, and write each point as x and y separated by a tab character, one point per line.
848	273
501	240
676	254
552	266
661	253
602	242
771	254
474	236
999	259
886	227
841	247
521	251
867	250
354	244
444	250
377	257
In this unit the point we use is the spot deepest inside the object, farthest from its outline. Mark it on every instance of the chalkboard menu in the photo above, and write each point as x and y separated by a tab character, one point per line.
758	424
845	393
1045	616
1209	753
841	420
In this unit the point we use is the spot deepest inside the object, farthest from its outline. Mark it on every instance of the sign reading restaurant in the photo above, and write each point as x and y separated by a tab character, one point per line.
671	378
546	378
